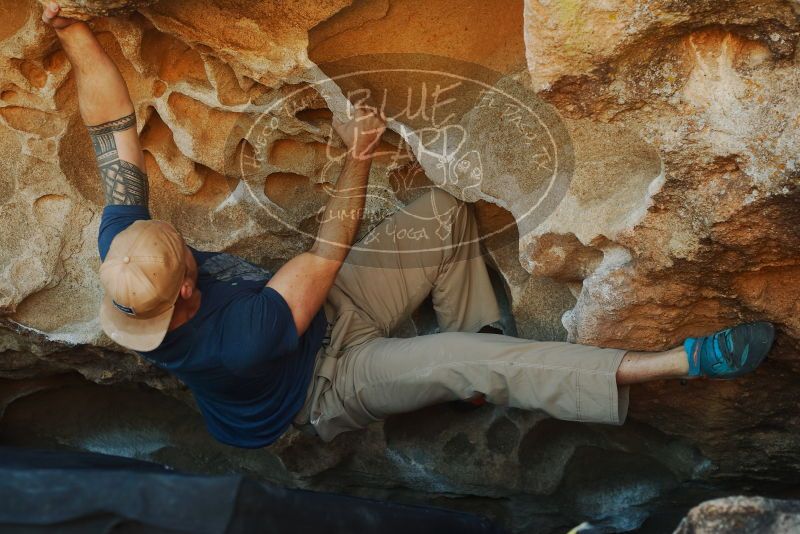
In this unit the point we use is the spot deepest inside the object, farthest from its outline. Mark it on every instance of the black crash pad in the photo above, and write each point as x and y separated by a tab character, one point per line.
74	492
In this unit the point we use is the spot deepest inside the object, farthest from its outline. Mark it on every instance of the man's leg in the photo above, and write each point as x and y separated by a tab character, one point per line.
568	381
387	376
430	247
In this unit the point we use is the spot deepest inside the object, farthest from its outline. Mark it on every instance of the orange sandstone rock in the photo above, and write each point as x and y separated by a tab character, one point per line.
86	9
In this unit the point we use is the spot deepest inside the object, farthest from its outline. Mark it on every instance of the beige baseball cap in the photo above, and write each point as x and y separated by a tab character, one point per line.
142	277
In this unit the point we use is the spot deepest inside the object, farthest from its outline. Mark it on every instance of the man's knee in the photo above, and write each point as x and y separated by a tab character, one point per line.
434	202
441	212
442	201
455	214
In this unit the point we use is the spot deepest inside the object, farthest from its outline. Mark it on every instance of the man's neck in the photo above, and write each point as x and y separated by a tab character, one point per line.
185	310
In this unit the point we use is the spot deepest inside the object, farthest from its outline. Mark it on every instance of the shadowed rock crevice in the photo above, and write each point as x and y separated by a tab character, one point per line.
425	457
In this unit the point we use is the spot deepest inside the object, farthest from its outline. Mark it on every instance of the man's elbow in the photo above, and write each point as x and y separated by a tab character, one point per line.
330	255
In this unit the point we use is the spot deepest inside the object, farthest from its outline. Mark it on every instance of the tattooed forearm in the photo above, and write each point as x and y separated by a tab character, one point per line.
124	182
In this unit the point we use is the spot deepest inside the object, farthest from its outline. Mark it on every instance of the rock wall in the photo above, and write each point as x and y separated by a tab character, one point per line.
680	214
742	514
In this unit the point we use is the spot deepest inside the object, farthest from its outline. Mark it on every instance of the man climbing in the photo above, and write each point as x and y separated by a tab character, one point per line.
312	344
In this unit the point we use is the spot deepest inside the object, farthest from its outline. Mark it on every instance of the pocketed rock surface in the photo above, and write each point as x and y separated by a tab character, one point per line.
680	215
86	9
742	514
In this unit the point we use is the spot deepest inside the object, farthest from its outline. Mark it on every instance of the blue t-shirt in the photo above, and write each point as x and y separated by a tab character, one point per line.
240	353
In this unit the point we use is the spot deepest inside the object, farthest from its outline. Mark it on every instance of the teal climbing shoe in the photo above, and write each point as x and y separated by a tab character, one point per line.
731	352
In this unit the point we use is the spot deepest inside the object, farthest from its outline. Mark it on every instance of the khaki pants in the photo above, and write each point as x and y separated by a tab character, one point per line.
431	248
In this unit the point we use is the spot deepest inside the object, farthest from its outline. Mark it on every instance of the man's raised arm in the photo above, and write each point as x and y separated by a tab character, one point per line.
304	281
106	109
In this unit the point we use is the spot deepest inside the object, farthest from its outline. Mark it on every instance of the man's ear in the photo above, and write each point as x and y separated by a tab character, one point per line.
187	289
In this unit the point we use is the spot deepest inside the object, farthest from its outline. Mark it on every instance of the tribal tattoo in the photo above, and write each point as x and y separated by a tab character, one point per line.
124	182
